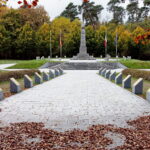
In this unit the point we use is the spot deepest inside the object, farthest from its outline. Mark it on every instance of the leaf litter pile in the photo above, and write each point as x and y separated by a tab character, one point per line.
33	136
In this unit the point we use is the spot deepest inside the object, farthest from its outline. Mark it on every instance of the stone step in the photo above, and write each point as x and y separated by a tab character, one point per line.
88	66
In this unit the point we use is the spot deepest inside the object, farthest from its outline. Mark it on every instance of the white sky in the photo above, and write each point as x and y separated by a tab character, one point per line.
55	7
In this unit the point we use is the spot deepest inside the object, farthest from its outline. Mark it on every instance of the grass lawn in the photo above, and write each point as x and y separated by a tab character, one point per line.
30	64
136	64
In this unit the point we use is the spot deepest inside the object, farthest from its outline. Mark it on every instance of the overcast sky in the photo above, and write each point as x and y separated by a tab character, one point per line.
55	7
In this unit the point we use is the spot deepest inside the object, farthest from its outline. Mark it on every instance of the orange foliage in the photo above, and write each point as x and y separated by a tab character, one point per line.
144	39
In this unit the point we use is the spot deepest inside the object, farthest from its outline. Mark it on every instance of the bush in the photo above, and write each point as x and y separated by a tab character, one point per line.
5	76
137	73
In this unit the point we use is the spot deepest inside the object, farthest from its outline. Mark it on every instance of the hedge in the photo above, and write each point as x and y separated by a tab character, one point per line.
137	73
5	76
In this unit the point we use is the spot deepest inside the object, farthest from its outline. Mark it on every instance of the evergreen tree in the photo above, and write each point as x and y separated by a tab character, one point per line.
118	11
70	11
91	12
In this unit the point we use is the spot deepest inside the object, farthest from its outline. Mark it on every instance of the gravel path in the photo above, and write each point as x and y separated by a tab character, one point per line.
77	99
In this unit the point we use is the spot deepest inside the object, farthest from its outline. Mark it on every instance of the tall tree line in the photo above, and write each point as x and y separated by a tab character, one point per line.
25	33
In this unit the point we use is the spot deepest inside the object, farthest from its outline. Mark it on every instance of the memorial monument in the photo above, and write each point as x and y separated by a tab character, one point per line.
83	55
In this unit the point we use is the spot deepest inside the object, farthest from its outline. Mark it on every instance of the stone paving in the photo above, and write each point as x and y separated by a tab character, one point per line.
76	99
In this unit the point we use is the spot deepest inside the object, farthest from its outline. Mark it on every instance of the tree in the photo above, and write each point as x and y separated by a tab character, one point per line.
91	12
133	11
118	11
5	43
70	11
26	43
3	10
12	23
35	16
43	40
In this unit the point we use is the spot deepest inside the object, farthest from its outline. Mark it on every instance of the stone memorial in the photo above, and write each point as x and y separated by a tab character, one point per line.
137	87
14	86
100	70
148	95
42	57
83	55
37	57
56	72
51	74
45	76
103	72
118	79
1	94
107	74
28	83
112	76
127	82
60	71
37	78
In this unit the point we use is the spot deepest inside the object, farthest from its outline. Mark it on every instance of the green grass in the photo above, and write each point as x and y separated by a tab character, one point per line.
136	64
133	63
30	64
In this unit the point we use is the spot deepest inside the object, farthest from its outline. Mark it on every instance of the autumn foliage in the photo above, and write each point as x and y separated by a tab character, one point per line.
144	38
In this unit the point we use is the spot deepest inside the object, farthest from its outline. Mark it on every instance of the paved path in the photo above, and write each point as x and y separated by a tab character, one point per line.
77	99
3	66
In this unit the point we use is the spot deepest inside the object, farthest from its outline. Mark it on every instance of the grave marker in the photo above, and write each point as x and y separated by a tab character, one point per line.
148	95
138	86
56	72
112	76
118	79
100	70
127	82
51	74
1	94
14	86
45	76
103	72
28	83
37	78
60	71
107	74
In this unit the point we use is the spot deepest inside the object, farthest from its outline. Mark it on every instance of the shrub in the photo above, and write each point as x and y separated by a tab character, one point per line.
137	73
5	76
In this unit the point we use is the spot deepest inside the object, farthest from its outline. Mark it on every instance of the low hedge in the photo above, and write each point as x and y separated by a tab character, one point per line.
5	76
137	73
